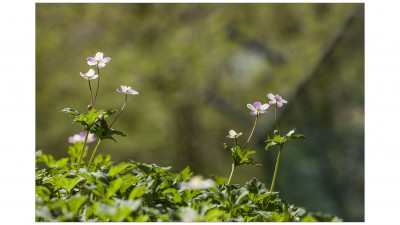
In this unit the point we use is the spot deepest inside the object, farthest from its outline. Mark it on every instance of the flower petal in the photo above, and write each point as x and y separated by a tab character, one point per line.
257	105
264	107
133	92
283	101
251	107
272	102
90	72
99	56
278	97
91	63
279	104
106	60
271	96
232	132
101	65
119	90
91	59
94	77
253	113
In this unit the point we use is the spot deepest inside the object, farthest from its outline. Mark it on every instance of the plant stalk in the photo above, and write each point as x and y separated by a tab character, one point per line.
251	134
81	155
91	95
94	153
123	106
275	173
230	177
276	123
98	84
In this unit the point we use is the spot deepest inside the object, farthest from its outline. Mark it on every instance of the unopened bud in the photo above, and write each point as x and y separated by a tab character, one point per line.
90	107
101	116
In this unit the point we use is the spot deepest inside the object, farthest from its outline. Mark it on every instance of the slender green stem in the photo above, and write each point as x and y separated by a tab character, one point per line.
81	155
276	123
251	134
275	173
91	95
98	84
123	106
94	153
230	177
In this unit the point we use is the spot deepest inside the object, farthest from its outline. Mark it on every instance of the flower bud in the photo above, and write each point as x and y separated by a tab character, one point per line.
90	107
101	116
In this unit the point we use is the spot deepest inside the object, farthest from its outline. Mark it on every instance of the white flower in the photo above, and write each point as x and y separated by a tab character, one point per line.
233	134
197	182
89	75
291	132
98	60
276	99
189	215
257	108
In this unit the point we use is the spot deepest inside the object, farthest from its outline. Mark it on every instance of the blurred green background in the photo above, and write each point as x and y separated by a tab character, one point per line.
196	66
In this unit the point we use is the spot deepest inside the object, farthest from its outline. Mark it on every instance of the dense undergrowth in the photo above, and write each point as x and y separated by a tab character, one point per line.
134	191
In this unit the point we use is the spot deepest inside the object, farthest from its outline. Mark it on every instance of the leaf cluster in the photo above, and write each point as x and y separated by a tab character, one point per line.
275	139
140	192
95	122
240	156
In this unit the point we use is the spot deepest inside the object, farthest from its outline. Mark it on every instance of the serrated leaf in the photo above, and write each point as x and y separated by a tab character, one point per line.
114	187
120	168
185	174
75	203
70	111
137	192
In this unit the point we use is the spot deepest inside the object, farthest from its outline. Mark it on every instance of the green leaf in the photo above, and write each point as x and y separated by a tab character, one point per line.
103	131
47	159
150	169
70	111
185	174
114	187
75	203
120	168
239	156
137	192
129	180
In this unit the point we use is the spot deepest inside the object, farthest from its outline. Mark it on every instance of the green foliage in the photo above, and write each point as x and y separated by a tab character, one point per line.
239	156
139	192
276	139
104	131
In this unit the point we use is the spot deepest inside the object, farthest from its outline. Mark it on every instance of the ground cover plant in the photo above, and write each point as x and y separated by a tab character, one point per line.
72	189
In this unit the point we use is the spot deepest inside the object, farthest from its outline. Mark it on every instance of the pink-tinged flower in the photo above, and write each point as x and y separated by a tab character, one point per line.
277	99
127	90
98	60
233	134
81	138
257	108
89	75
197	182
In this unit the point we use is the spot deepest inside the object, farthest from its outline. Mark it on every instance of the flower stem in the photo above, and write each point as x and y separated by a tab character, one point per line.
276	123
94	153
91	95
230	177
275	173
123	106
81	155
251	134
98	84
